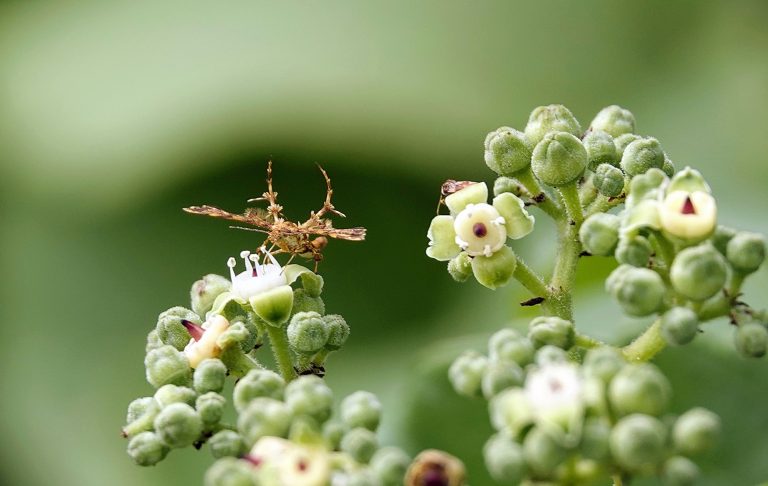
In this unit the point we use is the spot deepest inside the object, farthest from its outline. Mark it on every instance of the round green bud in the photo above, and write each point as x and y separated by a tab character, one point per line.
361	409
303	302
600	149
698	272
333	431
141	416
257	383
680	471
639	291
599	234
696	431
312	283
204	292
542	453
210	407
171	331
746	252
460	267
507	151
307	333
153	341
389	465
166	365
639	388
209	375
168	394
559	159
359	477
509	346
721	237
338	331
622	141
178	425
138	407
466	373
603	363
668	167
496	270
551	330
305	431
360	443
146	449
634	250
637	442
614	120
504	459
595	437
548	119
608	180
641	155
229	471
503	185
646	186
226	443
309	395
679	325
751	340
263	417
500	375
549	354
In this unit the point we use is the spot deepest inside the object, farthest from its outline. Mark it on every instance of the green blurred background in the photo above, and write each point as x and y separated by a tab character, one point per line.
114	115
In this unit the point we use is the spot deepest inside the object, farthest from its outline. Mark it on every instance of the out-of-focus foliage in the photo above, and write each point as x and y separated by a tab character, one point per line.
115	115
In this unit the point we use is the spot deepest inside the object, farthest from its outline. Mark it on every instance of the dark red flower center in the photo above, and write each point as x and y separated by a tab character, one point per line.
688	207
479	230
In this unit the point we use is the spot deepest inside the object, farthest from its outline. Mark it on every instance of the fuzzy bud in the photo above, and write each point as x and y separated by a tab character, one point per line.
146	449
338	331
226	443
360	443
680	471
599	234
389	464
168	394
178	425
312	283
307	333
639	291
603	363
698	272
309	395
509	346
503	185
170	329
500	375
623	140
209	375
263	417
332	432
507	151
751	340
229	471
634	250
641	155
460	267
549	354
559	159
746	252
696	431
637	442
210	407
361	409
166	365
608	180
679	326
551	330
600	149
204	292
614	120
257	383
303	302
504	459
548	119
639	388
466	373
542	453
595	439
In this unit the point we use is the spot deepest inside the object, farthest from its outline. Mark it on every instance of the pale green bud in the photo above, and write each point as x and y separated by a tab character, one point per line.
306	431
507	151
641	155
637	442
466	373
622	141
510	410
226	443
746	252
141	416
312	283
614	120
639	388
551	330
608	180
168	394
338	331
263	417
599	234
679	325
595	438
496	270
389	465
303	302
634	250
209	375
548	119
509	346
171	331
333	431
503	185
721	237
559	159
698	272
688	180
229	471
504	459
178	425
257	383
645	186
668	167
603	363
166	365
549	354
696	431
680	471
542	453
153	341
307	333
360	443
361	409
460	267
600	149
639	291
138	407
751	340
210	407
500	375
146	449
205	291
309	395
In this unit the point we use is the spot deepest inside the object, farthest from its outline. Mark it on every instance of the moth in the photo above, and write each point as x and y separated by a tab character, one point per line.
306	239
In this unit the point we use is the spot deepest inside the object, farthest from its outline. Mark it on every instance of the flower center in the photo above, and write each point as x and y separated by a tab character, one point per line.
256	278
688	207
480	230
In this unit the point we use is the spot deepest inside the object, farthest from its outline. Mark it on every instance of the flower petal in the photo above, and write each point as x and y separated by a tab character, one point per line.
274	306
473	194
518	222
442	239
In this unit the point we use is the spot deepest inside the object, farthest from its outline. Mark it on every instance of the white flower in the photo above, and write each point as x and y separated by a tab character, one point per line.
555	394
281	462
480	229
203	343
256	278
688	215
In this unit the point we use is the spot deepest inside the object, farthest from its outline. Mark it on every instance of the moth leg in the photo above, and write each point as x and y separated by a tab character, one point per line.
327	205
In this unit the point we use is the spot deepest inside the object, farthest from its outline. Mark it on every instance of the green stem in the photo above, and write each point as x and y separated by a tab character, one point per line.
617	481
602	204
564	276
532	186
321	356
570	194
587	192
734	287
664	250
530	279
279	342
647	345
586	342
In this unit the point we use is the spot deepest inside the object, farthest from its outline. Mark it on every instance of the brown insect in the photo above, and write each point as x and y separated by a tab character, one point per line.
307	239
449	187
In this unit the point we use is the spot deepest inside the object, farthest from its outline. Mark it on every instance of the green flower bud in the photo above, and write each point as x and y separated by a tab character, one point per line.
360	443
559	159
435	467
273	306
168	394
645	186
257	383
496	270
503	185
634	250
263	417
307	333
333	431
622	141
639	388
641	155
500	375
210	407
360	477
153	341
361	409
688	180
309	395
614	120
746	252
466	373
338	331
178	425
608	180
668	167
679	325
600	149
509	346
141	416
146	449
303	302
504	459
226	443
166	365
721	237
312	283
637	442
551	330
389	465
751	340
548	119
510	410
229	471
460	267
595	438
507	151
209	375
542	453
696	431
205	291
476	193
549	354
599	234
639	291
138	407
170	329
680	471
603	363
698	272
306	431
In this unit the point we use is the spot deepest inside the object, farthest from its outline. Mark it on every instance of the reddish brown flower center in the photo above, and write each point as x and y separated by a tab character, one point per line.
479	230
194	330
688	207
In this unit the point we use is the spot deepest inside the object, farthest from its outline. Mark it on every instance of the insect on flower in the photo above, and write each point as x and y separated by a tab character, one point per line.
306	239
449	187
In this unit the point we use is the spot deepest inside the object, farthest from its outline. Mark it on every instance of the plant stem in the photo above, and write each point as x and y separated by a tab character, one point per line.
532	186
603	204
530	279
570	194
586	342
561	285
647	345
279	342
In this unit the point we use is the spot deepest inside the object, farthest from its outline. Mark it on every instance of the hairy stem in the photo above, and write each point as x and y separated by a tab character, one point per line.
530	279
587	342
546	204
647	345
603	204
279	342
570	194
561	285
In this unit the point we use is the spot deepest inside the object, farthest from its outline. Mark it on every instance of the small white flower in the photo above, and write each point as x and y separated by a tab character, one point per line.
289	464
257	278
555	393
203	346
688	215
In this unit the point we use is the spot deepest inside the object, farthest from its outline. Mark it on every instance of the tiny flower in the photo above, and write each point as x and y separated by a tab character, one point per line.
480	230
555	394
203	343
688	210
256	278
281	462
